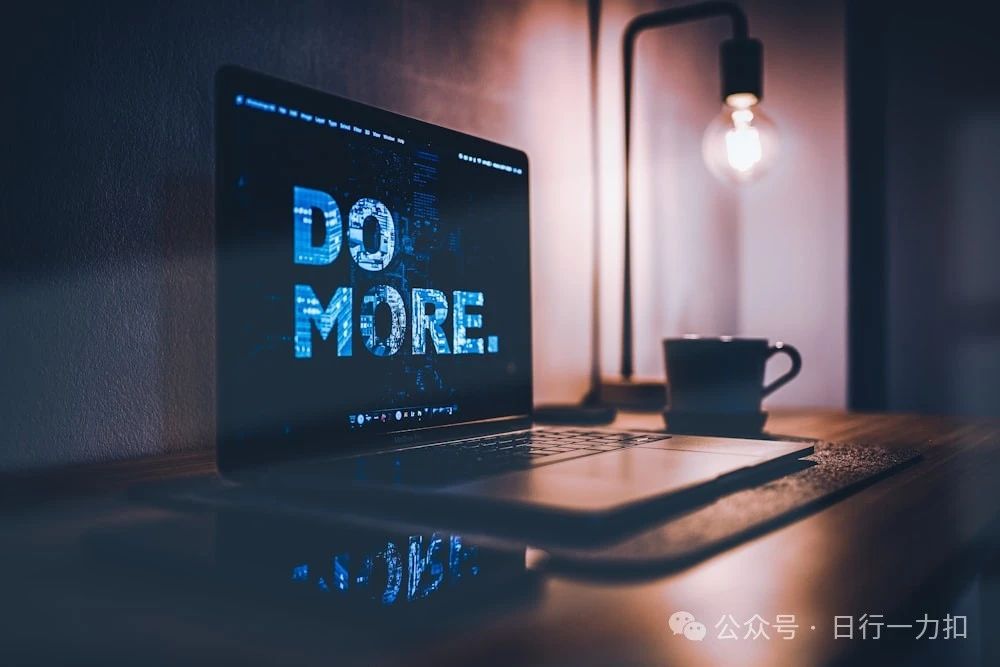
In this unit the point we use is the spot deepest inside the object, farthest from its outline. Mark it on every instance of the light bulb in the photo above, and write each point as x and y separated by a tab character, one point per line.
741	142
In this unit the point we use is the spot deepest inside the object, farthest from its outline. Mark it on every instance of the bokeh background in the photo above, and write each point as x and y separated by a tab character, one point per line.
106	287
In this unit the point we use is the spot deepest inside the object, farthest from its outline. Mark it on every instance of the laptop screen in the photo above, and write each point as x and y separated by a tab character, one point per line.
372	273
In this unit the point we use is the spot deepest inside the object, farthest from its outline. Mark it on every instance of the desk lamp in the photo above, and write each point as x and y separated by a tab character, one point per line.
739	145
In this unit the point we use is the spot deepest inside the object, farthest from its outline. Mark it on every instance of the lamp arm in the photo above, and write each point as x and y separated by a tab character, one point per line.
639	24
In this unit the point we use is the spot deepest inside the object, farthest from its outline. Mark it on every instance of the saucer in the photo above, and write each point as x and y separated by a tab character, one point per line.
747	424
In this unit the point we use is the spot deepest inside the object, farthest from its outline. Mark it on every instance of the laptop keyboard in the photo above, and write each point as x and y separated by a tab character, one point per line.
462	460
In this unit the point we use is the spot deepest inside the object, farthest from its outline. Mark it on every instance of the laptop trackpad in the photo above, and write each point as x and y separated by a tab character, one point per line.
605	482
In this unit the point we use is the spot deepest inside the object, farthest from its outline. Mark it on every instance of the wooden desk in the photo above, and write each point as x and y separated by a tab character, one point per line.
907	545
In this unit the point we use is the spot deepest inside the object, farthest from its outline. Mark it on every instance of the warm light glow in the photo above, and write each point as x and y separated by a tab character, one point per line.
741	142
743	149
741	100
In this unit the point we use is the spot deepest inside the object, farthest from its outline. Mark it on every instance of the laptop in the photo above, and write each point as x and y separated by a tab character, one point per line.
374	340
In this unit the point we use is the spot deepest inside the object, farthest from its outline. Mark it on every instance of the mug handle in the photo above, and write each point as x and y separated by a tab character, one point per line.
796	359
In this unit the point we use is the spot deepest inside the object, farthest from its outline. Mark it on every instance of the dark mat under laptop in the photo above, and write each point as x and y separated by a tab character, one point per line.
832	472
837	471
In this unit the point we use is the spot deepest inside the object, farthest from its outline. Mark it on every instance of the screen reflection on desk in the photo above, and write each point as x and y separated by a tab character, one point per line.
359	568
390	574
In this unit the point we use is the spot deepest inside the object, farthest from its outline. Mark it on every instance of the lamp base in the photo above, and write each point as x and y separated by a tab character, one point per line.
579	413
590	411
636	396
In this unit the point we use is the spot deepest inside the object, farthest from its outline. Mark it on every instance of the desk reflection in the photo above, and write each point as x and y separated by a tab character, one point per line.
347	568
357	568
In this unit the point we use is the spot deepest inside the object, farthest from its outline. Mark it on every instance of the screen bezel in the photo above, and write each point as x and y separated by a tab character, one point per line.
229	81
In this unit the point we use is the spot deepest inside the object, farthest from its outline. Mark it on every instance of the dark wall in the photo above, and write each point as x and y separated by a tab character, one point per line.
106	196
926	166
943	137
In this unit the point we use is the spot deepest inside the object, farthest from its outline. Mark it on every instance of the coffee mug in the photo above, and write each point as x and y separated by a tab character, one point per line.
722	375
